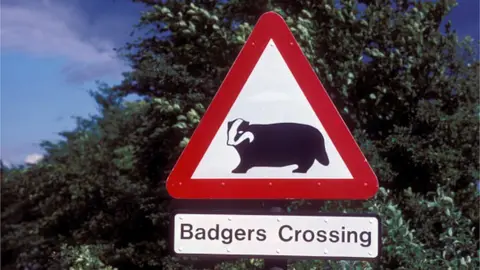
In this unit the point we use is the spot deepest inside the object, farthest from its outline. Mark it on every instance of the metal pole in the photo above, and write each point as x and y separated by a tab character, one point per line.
275	264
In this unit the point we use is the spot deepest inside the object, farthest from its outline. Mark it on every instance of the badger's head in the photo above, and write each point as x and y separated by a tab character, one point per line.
238	132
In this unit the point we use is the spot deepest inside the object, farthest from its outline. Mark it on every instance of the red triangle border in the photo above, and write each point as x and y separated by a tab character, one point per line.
364	184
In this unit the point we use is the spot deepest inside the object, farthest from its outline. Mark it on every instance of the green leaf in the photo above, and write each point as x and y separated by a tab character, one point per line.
447	199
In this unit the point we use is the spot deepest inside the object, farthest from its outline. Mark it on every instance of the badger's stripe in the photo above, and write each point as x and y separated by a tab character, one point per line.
232	132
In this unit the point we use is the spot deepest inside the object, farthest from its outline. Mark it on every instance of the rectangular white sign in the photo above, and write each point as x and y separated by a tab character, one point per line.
334	236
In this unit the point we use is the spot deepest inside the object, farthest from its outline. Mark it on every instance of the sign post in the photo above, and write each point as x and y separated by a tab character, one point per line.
272	132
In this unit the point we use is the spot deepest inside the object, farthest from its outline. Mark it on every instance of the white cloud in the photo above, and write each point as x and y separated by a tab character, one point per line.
15	153
33	158
55	29
7	163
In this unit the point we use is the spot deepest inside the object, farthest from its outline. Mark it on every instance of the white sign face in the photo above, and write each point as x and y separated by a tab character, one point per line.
277	235
272	104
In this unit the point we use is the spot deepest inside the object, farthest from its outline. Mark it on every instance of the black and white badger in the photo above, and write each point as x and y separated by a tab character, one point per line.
276	145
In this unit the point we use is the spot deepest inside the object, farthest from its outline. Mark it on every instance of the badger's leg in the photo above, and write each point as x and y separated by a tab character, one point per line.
241	168
304	165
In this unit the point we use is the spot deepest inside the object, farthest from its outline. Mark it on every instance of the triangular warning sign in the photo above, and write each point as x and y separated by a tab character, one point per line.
272	132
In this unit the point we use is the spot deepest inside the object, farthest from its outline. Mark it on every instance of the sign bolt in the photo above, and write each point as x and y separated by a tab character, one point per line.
278	219
325	251
230	218
278	250
181	218
370	253
228	249
180	249
371	221
326	220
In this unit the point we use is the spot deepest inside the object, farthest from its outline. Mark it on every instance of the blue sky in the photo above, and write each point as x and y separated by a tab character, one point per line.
53	51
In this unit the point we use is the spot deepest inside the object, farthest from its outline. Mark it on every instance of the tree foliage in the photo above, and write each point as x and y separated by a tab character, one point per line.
404	83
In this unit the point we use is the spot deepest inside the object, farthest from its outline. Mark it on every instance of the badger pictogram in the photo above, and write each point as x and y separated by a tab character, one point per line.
276	145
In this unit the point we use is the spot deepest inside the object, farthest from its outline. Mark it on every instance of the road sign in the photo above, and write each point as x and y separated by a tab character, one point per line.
327	236
272	132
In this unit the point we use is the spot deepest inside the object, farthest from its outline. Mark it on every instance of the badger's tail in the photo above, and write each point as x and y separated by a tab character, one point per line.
321	155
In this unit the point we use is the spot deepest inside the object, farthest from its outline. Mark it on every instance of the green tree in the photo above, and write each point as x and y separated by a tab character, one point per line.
86	192
408	93
406	90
